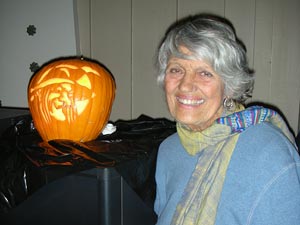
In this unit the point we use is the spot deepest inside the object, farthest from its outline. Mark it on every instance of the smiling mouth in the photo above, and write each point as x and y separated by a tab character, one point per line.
191	102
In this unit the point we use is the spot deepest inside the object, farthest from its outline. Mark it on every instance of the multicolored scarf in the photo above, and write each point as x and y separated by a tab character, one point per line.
199	203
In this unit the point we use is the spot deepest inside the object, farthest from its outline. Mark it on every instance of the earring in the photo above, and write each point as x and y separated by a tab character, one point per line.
228	104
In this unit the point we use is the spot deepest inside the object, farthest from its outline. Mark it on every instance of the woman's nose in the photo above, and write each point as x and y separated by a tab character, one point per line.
187	83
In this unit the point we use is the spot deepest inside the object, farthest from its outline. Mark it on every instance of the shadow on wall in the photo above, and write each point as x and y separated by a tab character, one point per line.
298	140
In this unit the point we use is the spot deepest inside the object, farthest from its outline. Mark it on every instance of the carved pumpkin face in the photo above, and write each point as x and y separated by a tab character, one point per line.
71	99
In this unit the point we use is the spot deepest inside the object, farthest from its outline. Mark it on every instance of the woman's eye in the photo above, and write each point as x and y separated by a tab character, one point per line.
206	74
174	71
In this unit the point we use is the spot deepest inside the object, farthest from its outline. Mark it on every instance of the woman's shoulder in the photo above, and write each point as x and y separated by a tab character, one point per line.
172	139
265	136
170	144
265	146
264	129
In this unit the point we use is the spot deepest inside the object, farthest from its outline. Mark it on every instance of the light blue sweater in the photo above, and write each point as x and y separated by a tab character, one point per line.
262	184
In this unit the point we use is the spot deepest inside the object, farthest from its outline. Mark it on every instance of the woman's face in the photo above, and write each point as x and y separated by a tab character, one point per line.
194	92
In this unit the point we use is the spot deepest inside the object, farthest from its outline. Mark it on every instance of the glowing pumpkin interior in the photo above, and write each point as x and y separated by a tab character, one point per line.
71	99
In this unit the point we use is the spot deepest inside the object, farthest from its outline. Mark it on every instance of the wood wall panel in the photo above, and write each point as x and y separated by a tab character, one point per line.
82	10
125	35
190	7
263	51
111	36
285	80
241	13
150	19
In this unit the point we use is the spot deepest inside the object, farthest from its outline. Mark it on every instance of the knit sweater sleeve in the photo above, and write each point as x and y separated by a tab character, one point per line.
160	199
279	200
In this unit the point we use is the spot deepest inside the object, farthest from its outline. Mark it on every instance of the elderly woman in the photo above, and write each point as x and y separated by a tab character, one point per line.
225	165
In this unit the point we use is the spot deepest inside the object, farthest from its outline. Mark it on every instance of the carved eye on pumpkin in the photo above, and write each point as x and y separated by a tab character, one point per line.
71	99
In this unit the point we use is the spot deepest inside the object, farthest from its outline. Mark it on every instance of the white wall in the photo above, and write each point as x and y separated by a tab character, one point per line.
55	37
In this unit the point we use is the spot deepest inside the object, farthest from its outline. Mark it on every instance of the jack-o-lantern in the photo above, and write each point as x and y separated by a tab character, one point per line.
71	98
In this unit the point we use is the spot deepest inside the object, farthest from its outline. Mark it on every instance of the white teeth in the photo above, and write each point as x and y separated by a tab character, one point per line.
190	101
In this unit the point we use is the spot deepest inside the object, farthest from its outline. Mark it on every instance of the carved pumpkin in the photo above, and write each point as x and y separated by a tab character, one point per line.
71	98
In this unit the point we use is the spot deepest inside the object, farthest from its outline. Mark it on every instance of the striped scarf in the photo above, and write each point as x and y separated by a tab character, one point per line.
199	202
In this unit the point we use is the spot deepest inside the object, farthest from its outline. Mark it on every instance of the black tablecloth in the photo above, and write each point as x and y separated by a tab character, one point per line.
27	163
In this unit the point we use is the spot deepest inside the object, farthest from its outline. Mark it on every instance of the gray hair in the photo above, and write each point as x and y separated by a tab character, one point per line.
212	39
